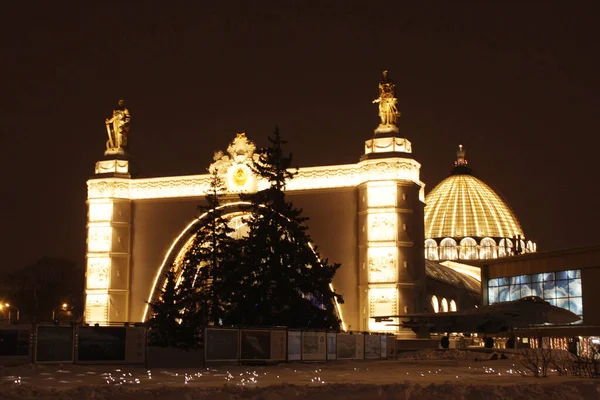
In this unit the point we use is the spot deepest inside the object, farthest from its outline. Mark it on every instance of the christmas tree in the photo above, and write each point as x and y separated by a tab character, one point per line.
279	278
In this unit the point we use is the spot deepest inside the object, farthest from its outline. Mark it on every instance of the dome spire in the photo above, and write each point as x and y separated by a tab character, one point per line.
460	156
460	165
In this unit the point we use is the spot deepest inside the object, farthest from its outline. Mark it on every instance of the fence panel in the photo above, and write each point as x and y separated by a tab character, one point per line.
314	346
222	344
360	346
278	344
391	347
54	344
110	345
346	346
331	345
372	346
294	345
15	344
255	344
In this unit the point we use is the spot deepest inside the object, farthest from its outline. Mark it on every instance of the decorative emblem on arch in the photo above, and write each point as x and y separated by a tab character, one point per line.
236	164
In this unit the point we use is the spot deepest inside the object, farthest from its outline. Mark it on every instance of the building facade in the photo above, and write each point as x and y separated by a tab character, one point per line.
367	216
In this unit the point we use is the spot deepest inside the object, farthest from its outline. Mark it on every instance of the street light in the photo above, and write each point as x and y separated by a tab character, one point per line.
63	307
9	307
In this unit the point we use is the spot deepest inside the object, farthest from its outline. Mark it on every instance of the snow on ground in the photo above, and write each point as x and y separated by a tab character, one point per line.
420	375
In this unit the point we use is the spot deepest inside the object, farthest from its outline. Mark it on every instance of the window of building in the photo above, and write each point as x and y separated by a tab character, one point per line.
505	248
487	249
468	249
453	306
444	305
562	289
435	304
448	249
431	250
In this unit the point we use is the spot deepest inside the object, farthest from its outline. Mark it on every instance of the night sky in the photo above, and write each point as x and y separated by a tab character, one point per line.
517	85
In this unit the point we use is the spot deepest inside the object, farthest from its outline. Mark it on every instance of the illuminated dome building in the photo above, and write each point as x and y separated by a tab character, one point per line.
465	219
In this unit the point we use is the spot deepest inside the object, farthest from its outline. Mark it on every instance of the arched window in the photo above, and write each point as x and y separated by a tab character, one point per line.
435	304
521	246
505	248
444	305
529	248
453	306
448	249
431	250
487	249
468	249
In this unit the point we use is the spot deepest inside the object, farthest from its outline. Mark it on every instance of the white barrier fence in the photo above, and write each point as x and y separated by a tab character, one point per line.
23	344
279	344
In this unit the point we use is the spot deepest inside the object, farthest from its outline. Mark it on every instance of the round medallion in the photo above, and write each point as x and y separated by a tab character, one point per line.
240	176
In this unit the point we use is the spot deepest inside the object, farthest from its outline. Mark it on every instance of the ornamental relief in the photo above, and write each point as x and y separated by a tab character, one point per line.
382	265
383	301
381	227
98	273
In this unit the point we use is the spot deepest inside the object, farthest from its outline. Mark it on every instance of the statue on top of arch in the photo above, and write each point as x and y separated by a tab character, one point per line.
118	129
387	102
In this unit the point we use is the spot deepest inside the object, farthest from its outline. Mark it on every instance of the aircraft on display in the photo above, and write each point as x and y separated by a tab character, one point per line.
495	318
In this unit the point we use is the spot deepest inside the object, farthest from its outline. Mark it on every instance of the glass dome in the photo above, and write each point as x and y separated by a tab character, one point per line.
464	206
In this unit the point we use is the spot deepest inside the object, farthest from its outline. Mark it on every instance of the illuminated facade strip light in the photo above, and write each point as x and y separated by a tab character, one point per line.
337	176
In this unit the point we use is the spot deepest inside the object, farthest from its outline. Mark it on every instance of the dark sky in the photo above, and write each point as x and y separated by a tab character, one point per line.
516	84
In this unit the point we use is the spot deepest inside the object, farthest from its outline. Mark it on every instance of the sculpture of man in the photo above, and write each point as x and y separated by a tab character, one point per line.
387	102
117	127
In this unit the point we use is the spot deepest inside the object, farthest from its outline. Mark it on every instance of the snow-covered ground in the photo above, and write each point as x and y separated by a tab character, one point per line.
435	375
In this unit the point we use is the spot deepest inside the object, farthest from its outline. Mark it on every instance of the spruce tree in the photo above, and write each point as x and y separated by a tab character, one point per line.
166	311
280	280
211	250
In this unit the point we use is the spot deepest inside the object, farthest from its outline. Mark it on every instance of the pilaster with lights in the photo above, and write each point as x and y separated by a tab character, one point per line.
391	233
109	229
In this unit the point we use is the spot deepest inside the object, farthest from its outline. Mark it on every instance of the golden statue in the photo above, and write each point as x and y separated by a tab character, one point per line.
117	128
387	102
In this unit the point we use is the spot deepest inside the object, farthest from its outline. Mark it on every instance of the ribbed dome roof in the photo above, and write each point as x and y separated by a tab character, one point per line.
464	206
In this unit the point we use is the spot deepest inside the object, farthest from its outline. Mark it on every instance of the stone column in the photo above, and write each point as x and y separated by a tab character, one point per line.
108	243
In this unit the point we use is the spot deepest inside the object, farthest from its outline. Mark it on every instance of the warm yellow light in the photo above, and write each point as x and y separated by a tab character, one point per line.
98	272
7	305
112	166
381	227
99	238
465	269
100	211
464	206
326	177
383	301
381	194
386	145
382	264
64	306
96	308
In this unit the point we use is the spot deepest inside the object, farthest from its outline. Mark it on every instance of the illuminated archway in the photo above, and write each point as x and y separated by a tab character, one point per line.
431	250
233	212
468	249
435	304
444	305
452	306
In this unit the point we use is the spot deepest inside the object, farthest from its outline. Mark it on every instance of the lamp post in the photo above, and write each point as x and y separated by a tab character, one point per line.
9	308
62	308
